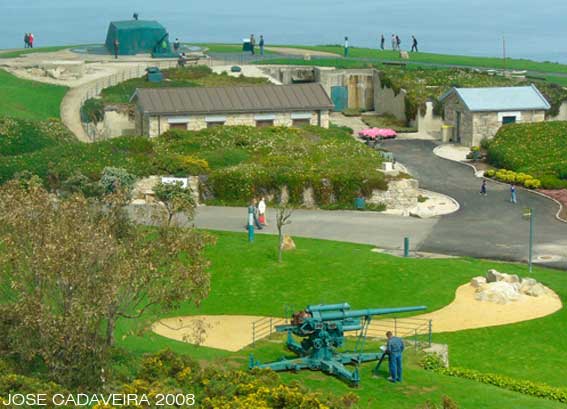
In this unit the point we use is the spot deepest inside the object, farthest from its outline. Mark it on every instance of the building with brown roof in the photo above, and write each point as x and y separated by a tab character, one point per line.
161	109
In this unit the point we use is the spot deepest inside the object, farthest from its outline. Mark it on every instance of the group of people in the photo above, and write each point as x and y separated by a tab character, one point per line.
396	43
257	213
253	45
513	193
28	40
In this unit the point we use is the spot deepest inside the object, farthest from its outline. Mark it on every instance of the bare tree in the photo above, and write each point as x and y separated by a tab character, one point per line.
283	216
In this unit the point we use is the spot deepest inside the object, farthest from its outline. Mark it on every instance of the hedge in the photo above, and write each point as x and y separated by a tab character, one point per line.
538	149
509	176
530	388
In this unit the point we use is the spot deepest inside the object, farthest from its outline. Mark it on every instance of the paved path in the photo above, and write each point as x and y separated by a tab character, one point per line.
489	226
485	227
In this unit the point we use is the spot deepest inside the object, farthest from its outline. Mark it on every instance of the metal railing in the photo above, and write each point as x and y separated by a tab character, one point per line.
407	328
264	327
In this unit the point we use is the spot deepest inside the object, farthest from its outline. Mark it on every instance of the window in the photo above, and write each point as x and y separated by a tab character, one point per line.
508	120
264	123
213	124
181	125
301	122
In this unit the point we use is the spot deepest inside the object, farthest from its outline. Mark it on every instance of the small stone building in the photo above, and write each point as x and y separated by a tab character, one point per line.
477	113
193	108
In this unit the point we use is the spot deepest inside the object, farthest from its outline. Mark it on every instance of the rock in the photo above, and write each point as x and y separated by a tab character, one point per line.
288	244
54	73
492	276
511	278
478	282
536	290
499	292
308	198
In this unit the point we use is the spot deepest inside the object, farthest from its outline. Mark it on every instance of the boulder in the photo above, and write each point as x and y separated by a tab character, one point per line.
54	73
492	276
288	244
536	290
499	292
511	278
478	282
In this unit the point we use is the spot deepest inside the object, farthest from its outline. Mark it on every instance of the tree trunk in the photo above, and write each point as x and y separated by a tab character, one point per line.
110	327
280	247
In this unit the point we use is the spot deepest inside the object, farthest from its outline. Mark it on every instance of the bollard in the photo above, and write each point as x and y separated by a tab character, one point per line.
250	233
406	246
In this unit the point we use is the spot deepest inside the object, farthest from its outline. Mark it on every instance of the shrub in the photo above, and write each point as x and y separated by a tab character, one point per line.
116	178
490	173
431	362
92	110
530	388
552	182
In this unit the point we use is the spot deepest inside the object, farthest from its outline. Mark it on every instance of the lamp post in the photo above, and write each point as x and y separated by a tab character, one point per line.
529	213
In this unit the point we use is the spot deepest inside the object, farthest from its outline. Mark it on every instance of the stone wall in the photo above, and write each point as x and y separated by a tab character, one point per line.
453	105
118	123
562	115
143	189
359	82
387	102
401	194
487	124
156	125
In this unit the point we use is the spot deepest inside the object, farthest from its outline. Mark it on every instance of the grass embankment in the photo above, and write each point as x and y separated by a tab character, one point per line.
29	99
246	279
445	59
538	149
241	162
199	76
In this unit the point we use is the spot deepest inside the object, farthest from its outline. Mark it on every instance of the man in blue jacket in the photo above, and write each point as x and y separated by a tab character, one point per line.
394	348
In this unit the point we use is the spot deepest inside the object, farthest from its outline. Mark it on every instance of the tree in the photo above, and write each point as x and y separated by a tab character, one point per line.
175	199
69	274
283	216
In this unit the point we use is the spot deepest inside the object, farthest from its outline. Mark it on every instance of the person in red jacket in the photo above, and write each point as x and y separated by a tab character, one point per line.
30	40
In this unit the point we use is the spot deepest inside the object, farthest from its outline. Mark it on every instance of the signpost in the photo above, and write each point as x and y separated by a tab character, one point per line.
529	213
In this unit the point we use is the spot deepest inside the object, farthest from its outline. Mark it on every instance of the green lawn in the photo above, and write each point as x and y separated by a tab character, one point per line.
225	48
246	279
445	59
29	99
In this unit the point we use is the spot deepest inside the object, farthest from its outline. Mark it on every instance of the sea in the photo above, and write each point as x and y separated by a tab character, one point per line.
530	29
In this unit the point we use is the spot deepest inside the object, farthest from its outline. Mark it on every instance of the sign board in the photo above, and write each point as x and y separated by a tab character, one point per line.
170	181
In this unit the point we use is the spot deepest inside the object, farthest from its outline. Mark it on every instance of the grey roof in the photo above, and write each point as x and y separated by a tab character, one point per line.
225	100
500	98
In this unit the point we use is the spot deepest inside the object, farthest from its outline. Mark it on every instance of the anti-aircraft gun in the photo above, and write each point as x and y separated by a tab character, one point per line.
322	329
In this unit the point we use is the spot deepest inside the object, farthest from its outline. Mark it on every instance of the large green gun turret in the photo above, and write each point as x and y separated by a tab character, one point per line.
322	329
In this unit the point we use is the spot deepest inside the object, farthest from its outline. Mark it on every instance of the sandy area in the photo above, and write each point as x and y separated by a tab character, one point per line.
465	312
228	332
234	332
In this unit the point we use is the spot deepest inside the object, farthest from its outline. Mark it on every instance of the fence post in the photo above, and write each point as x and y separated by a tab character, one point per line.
430	332
254	335
415	338
270	326
395	326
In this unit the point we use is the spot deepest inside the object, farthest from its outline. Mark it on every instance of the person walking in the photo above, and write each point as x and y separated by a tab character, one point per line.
394	348
262	211
382	40
116	44
394	43
346	47
26	40
31	38
261	44
252	44
176	45
414	44
398	42
513	197
483	188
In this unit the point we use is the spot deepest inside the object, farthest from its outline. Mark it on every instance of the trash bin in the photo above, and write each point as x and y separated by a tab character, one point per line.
154	74
447	133
246	45
360	203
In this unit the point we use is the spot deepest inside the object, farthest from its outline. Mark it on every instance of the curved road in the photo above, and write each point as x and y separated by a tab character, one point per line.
484	227
490	226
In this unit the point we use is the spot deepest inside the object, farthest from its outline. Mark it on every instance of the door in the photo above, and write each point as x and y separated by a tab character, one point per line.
458	128
339	95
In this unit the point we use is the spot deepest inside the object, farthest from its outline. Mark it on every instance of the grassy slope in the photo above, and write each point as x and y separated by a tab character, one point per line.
29	99
248	280
485	62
